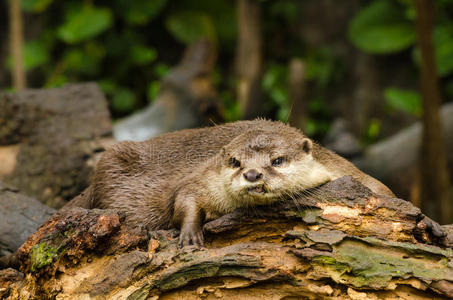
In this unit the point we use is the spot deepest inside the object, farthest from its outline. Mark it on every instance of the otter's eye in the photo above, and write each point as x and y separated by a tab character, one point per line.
233	162
278	161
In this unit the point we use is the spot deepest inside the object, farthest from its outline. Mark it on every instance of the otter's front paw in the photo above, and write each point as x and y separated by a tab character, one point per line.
190	235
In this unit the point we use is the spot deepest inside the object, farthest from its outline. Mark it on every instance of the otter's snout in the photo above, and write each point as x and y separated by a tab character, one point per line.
252	175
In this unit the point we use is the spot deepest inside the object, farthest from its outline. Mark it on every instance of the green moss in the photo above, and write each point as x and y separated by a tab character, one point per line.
42	255
332	263
374	266
140	294
174	280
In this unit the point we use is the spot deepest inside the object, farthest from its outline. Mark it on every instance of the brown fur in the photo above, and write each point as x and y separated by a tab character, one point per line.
184	178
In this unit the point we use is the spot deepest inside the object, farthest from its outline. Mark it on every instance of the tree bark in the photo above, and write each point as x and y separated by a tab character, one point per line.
249	58
344	242
435	181
16	42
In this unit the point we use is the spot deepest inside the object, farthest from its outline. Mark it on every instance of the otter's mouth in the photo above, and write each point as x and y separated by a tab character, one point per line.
258	189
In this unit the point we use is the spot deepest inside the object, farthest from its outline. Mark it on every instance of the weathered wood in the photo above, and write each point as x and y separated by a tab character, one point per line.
59	132
187	98
339	241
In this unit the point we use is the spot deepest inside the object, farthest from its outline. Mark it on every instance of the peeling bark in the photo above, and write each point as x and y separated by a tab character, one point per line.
343	243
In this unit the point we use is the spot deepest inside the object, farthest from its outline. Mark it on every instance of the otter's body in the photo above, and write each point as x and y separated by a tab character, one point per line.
187	177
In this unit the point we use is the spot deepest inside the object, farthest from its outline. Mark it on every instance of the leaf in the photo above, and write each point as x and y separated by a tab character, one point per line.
190	26
381	27
443	50
84	60
140	12
374	128
85	24
443	43
407	101
161	69
141	55
35	6
153	90
35	54
123	100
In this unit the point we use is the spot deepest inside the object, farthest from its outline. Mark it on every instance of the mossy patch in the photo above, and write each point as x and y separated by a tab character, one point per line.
375	266
42	255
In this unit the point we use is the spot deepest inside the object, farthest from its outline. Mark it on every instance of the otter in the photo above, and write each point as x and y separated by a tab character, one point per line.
185	178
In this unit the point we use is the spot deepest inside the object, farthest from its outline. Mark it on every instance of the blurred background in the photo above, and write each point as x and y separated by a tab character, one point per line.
371	80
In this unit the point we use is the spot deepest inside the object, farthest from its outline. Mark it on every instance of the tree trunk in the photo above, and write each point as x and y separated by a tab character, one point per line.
297	94
249	58
16	42
343	243
435	181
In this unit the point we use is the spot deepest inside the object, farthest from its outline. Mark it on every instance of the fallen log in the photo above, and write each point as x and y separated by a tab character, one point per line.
339	241
187	98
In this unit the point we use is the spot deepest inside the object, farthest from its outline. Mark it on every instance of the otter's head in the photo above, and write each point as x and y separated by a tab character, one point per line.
260	167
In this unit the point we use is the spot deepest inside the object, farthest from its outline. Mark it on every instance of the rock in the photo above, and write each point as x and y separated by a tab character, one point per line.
59	133
20	216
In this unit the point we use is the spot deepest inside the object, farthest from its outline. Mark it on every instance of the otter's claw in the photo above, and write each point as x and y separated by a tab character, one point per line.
191	236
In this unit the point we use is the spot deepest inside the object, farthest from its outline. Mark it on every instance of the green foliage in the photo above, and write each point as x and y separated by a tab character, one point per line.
36	54
123	100
139	12
85	24
407	101
373	131
443	43
285	9
160	70
189	26
381	27
443	50
275	85
321	66
387	26
84	59
319	70
35	6
141	55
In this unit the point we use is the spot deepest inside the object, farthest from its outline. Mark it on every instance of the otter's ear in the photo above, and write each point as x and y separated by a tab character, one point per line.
307	145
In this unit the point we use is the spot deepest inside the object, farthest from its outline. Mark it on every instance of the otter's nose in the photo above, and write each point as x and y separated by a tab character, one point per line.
252	175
